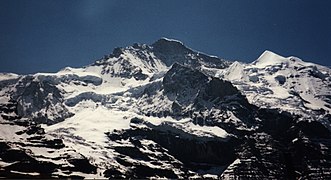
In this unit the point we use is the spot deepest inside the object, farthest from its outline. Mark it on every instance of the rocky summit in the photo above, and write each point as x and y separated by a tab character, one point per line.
166	111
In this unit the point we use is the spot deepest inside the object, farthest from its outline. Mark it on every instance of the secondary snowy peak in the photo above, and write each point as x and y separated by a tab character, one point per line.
269	58
286	83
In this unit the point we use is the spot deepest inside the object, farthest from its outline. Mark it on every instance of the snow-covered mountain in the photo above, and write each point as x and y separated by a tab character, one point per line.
167	111
288	84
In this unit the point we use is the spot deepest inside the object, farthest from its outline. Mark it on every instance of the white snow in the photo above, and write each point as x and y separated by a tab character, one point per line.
269	58
8	76
173	40
189	127
236	72
91	124
25	173
7	132
259	81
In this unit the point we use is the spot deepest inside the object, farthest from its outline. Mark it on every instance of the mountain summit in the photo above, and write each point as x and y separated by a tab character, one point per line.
167	111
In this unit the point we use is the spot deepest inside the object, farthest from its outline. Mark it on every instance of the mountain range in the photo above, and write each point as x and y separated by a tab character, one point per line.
167	111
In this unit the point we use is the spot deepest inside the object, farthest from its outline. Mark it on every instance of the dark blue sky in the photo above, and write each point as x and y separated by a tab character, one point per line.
47	35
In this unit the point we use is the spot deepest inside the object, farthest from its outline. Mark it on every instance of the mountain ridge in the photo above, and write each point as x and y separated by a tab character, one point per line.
167	111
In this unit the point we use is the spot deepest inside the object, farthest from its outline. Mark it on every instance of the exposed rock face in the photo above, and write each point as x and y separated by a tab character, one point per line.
180	78
172	51
22	164
217	88
188	153
285	150
191	93
183	84
40	101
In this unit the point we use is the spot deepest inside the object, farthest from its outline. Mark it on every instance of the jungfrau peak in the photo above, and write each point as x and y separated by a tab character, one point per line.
166	111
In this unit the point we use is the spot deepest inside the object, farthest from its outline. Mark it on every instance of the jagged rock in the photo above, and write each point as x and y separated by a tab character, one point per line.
172	51
41	101
83	165
217	88
281	79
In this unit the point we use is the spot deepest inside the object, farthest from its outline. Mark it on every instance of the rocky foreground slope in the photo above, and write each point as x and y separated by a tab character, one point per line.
167	111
